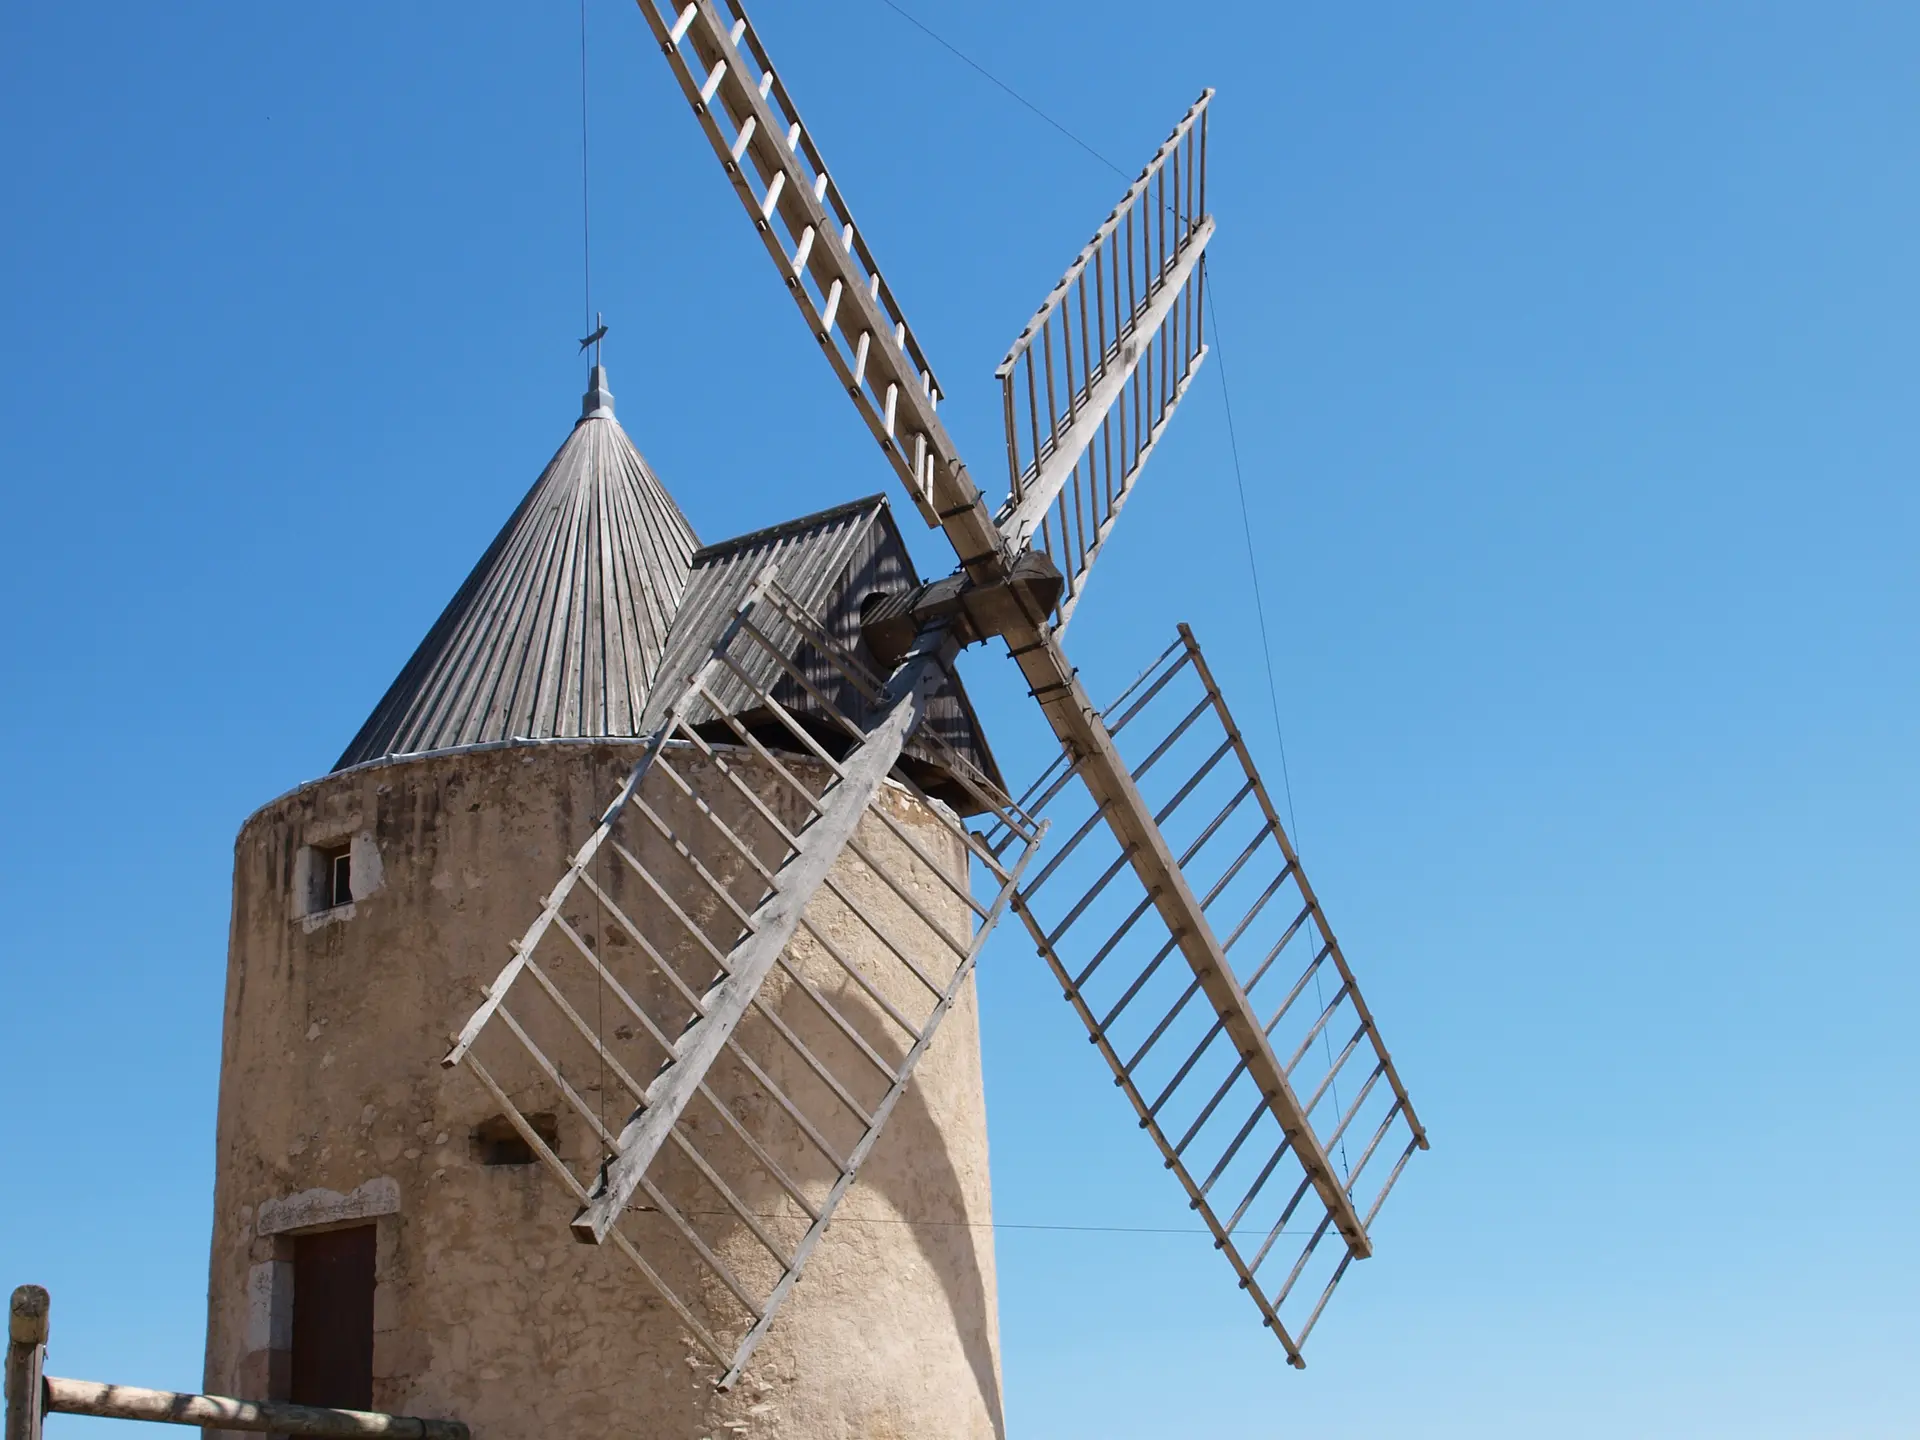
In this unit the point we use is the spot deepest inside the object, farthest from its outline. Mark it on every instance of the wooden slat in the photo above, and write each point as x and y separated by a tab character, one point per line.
1039	489
1200	1165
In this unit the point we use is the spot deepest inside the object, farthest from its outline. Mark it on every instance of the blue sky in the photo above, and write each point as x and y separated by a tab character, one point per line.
1571	352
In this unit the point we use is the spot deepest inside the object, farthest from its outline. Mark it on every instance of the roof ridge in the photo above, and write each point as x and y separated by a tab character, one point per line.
875	502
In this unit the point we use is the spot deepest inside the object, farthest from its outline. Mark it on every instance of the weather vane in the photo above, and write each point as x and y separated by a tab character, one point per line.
599	334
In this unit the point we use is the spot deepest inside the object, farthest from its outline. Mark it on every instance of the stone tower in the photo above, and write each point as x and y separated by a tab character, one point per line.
380	1240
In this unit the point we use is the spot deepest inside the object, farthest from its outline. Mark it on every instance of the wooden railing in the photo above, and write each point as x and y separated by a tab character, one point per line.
32	1395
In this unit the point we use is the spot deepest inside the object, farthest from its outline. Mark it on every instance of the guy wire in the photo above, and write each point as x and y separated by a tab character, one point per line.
1002	1224
586	209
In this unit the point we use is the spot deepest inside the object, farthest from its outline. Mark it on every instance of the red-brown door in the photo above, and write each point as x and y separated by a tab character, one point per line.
333	1318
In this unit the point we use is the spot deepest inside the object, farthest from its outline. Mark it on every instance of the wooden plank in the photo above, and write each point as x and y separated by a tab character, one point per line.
774	922
890	360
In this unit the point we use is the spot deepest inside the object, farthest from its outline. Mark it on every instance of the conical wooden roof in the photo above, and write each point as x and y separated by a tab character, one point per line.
559	629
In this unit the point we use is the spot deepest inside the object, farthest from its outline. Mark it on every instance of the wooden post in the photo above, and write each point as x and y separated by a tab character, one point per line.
26	1354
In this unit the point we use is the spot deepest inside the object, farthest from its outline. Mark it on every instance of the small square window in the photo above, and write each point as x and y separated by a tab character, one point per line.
336	876
330	878
496	1141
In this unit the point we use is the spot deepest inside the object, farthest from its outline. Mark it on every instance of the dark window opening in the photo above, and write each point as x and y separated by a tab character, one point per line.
333	1318
336	880
496	1142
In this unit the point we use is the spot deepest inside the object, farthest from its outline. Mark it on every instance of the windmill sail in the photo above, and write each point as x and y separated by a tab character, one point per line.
800	214
1071	469
1265	1086
1090	384
679	962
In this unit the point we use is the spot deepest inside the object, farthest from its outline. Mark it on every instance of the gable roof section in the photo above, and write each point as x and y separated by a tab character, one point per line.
559	629
829	562
812	553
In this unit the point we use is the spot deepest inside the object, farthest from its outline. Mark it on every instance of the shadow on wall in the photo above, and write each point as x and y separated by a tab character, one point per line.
914	1173
949	1244
912	1167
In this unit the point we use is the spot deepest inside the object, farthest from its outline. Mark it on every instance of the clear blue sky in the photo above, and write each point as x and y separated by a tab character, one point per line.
1572	350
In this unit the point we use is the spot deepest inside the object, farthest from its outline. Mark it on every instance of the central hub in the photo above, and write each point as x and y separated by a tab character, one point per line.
972	612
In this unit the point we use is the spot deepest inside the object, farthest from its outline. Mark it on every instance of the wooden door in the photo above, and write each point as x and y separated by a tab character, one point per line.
333	1318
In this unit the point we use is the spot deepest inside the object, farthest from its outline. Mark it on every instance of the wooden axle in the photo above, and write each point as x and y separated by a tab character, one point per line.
973	611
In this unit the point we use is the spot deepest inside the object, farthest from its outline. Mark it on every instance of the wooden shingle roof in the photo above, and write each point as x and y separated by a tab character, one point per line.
595	603
558	630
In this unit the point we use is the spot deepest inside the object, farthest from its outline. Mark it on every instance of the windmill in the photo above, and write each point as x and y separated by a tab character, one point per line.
1192	948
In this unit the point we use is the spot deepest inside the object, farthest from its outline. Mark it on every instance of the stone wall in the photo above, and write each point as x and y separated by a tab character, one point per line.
334	1109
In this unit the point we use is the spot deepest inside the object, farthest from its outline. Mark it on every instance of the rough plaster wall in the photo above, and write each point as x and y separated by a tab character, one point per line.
486	1309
